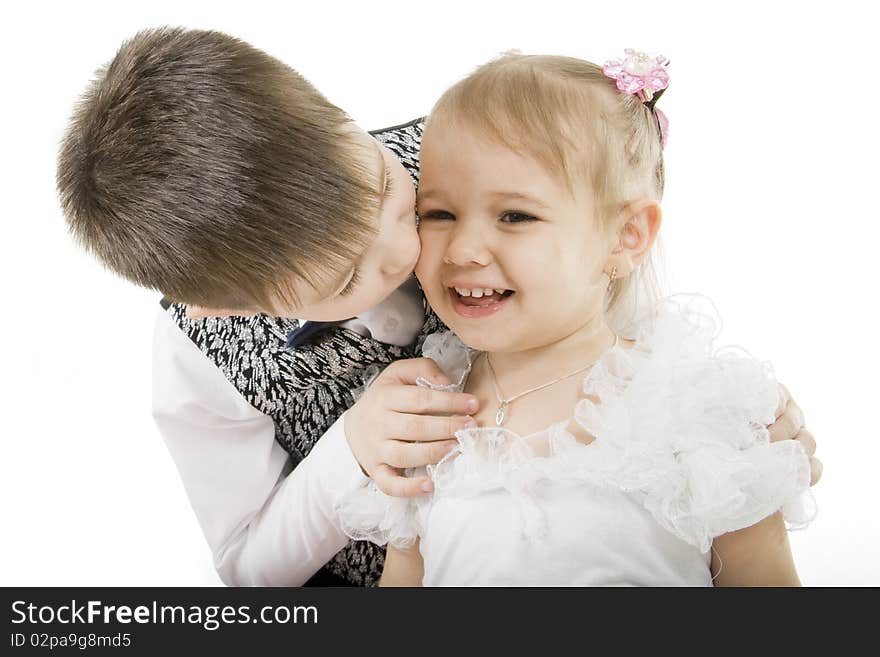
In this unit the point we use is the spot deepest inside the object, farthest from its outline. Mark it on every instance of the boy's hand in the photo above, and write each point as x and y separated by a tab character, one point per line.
789	425
397	425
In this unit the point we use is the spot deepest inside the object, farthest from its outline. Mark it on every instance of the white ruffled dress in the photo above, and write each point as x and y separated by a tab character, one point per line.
681	455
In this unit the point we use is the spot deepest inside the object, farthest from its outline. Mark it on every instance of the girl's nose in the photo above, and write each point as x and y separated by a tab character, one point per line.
467	246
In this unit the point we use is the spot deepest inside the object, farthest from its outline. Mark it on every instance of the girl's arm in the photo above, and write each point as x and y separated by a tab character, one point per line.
403	567
755	556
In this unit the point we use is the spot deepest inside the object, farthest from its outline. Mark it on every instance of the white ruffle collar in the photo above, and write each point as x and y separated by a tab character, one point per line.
680	425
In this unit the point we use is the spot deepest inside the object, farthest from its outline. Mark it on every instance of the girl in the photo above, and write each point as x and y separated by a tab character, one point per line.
615	446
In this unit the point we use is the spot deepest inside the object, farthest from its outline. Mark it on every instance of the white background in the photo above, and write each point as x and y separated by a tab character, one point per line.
771	209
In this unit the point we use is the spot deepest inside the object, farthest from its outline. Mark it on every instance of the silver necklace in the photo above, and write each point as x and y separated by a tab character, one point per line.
504	403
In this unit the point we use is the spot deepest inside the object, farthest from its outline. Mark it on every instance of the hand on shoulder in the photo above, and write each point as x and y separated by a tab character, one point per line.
397	425
789	425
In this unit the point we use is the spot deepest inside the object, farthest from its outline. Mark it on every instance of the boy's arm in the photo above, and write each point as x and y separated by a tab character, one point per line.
264	526
403	566
759	555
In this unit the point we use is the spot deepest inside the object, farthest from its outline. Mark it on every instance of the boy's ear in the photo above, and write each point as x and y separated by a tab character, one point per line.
200	312
637	235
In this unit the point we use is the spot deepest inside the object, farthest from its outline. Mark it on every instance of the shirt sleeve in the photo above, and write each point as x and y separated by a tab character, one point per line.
266	524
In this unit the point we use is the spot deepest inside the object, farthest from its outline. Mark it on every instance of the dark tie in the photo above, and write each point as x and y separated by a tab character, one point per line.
302	334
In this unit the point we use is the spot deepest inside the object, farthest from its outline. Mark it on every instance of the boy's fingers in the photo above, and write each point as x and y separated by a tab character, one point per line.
815	470
409	370
784	398
788	424
399	454
807	440
428	427
392	483
424	401
796	413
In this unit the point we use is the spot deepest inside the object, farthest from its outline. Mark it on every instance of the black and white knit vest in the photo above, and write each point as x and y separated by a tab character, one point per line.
305	389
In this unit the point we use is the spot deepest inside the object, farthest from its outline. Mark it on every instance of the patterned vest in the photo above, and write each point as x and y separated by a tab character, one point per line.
304	390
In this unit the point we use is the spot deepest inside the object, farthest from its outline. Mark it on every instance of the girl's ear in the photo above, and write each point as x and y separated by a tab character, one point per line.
200	312
636	236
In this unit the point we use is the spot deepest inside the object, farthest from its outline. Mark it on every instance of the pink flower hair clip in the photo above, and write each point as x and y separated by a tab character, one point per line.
644	76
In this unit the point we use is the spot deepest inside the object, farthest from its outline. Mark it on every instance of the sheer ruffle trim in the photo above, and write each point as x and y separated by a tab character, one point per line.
677	423
368	514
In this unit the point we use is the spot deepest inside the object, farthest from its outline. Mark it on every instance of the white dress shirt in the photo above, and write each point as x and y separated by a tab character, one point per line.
267	524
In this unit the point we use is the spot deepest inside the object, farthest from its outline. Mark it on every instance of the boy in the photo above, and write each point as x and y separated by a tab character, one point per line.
202	167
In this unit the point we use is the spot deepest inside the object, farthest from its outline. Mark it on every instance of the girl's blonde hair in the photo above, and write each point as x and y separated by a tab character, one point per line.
569	116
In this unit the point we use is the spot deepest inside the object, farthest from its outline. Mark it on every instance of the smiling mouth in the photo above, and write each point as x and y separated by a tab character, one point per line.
475	303
480	297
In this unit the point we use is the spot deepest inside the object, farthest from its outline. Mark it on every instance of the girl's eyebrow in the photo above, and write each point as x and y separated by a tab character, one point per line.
425	194
518	196
513	196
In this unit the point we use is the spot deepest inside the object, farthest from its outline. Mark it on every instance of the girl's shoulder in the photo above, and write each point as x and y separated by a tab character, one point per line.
675	363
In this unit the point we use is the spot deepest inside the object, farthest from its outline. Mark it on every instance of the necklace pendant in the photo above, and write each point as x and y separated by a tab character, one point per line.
499	416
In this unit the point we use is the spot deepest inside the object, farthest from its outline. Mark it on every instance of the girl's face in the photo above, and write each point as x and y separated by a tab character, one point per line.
511	260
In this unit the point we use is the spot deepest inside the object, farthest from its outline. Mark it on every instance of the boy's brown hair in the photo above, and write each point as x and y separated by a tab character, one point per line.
200	166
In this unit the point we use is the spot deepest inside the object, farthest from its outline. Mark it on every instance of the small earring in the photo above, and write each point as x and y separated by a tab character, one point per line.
612	276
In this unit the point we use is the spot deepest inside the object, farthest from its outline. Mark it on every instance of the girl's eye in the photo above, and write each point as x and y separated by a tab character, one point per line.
517	218
352	284
436	215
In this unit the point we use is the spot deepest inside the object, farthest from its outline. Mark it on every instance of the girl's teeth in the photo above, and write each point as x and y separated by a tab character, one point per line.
478	293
